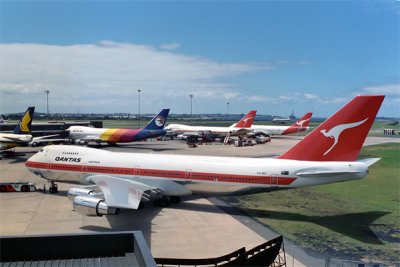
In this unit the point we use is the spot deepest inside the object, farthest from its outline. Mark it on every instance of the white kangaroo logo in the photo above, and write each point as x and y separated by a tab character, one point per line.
246	120
300	123
337	130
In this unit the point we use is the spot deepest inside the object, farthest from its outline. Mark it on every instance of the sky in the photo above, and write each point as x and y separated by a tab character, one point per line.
272	56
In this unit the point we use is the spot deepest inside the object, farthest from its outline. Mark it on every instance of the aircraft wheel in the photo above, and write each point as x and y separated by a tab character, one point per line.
174	199
161	202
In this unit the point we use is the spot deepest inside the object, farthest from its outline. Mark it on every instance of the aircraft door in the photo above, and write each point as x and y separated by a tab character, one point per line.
188	174
84	168
274	180
136	171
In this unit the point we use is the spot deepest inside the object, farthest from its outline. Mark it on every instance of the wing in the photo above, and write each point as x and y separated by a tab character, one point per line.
118	192
128	193
240	131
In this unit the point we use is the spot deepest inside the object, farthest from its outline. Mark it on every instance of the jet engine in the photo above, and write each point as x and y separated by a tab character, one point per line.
80	142
77	191
93	206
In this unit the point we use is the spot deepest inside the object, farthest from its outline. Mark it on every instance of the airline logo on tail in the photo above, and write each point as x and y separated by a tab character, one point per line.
246	119
160	121
24	122
337	130
300	123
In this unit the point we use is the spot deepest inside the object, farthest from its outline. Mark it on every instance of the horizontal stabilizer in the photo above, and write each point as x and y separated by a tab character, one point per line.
369	161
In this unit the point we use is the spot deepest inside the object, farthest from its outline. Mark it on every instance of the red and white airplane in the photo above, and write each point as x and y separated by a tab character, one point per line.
326	155
240	128
300	125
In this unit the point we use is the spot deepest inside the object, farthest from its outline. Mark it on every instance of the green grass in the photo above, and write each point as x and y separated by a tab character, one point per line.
357	219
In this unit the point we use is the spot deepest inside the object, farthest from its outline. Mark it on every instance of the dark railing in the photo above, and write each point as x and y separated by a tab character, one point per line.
262	255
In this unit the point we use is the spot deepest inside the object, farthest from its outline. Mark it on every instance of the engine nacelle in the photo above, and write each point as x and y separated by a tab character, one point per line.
93	206
80	142
78	191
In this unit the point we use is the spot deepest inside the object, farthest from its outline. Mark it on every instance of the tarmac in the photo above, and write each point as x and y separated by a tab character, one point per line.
195	228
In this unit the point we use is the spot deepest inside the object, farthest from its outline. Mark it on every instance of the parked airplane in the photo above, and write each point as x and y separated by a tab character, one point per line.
82	135
241	128
326	155
21	134
3	121
300	125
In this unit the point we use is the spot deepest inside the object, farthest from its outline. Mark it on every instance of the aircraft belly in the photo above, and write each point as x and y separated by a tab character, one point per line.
215	189
68	177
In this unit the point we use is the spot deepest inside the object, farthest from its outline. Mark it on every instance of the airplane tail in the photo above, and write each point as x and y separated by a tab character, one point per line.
247	120
158	122
24	125
341	136
2	120
300	125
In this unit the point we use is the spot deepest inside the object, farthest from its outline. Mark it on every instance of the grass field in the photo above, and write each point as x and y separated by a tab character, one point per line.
357	219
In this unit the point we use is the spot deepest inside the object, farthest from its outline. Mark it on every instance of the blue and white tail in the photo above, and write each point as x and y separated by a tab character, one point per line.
158	122
24	125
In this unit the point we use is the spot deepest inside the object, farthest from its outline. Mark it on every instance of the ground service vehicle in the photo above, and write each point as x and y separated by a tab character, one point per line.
17	187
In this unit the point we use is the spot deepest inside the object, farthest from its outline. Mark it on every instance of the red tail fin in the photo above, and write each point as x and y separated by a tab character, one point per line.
300	125
247	120
340	137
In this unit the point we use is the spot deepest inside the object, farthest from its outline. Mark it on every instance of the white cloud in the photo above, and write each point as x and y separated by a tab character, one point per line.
105	77
171	46
391	90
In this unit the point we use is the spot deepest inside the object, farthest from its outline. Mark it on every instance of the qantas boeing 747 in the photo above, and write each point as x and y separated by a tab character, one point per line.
300	125
326	155
238	129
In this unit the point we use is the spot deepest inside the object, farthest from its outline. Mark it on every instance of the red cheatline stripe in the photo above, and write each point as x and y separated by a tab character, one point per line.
174	174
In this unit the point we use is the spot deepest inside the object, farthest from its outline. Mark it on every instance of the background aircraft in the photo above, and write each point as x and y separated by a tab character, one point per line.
82	135
2	120
21	134
326	155
240	128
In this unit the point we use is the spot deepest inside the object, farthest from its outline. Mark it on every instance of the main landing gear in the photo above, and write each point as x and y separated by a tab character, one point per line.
53	188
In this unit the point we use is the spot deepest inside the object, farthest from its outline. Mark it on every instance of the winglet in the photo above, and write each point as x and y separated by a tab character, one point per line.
24	125
158	122
247	120
300	125
341	136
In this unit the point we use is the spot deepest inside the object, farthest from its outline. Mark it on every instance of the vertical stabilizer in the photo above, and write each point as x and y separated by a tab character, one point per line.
341	136
24	125
159	121
300	125
247	120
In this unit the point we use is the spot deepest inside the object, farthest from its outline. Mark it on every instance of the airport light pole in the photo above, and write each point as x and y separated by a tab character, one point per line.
227	108
139	106
47	101
191	105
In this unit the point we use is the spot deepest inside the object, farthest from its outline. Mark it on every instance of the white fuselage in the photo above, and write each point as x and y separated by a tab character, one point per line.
10	140
270	129
201	174
214	130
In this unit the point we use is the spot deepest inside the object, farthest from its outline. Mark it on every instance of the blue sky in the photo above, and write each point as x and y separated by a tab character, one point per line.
275	57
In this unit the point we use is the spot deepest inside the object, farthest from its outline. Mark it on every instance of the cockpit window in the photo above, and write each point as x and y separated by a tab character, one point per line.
41	150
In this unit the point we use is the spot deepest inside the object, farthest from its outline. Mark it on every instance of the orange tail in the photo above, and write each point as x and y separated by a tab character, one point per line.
340	137
247	120
300	125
